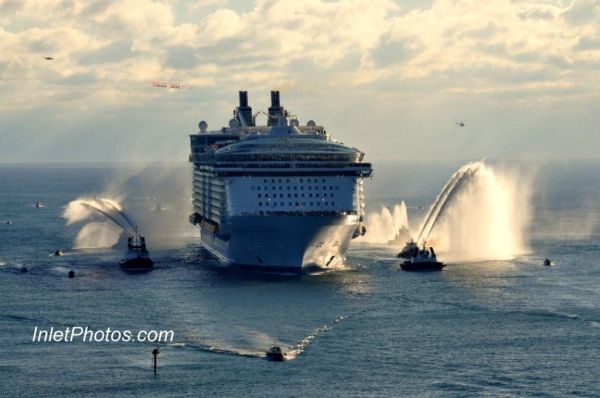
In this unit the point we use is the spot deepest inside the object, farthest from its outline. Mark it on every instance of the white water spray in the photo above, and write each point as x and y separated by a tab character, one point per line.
104	222
386	225
480	214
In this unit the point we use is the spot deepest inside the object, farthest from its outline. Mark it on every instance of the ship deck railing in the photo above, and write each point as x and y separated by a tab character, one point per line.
283	165
300	213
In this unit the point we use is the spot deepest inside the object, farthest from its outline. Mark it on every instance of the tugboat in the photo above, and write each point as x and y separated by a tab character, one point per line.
409	250
548	262
137	257
275	354
58	253
424	260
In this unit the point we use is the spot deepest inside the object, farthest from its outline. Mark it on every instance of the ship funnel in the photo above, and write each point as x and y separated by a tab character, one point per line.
275	110
243	112
243	99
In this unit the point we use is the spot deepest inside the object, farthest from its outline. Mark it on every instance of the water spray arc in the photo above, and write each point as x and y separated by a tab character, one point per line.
444	199
94	233
111	218
482	213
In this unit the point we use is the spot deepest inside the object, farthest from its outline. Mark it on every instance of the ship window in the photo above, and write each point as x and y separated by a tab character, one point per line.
295	188
287	180
331	188
260	203
301	180
295	195
281	188
302	187
309	187
331	195
281	195
274	203
288	188
323	180
266	203
281	203
266	195
259	195
297	204
333	203
264	181
290	203
258	188
309	195
311	203
302	195
326	203
289	195
272	180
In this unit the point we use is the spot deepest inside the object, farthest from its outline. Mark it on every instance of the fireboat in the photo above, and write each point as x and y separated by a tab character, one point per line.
137	257
423	260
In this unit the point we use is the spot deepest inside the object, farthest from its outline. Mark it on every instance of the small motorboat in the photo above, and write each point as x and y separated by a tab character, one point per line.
137	257
409	250
425	260
39	205
58	253
275	354
548	262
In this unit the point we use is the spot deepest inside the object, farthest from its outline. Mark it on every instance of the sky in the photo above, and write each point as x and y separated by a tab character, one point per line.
391	78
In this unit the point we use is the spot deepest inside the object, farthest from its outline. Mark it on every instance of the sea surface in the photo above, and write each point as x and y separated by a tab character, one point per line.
494	328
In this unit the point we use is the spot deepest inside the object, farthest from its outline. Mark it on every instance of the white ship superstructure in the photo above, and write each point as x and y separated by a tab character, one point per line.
280	197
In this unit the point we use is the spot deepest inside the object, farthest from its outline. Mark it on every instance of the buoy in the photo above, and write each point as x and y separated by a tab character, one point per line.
155	353
71	274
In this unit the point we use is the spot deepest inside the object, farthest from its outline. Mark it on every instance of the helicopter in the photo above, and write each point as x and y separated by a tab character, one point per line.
460	124
49	58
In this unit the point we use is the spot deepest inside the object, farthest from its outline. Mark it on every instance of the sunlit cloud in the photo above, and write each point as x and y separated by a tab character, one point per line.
107	53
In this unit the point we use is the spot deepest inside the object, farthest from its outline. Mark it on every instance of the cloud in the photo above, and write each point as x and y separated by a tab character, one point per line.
337	52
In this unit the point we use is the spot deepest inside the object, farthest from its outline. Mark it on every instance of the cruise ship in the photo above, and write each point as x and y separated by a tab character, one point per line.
281	197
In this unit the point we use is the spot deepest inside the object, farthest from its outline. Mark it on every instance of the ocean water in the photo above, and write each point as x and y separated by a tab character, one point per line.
491	328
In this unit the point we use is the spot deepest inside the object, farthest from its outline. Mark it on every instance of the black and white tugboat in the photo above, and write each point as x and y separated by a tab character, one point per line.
409	250
424	260
137	257
275	354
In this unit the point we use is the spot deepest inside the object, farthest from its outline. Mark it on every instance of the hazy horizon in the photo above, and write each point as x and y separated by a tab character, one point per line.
390	78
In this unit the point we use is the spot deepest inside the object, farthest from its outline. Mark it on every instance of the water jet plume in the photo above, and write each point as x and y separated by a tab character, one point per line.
386	226
482	213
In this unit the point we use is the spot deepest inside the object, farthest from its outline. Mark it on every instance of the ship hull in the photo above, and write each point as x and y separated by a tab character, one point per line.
282	243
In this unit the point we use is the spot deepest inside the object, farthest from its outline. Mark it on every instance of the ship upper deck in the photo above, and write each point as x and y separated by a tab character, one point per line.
282	145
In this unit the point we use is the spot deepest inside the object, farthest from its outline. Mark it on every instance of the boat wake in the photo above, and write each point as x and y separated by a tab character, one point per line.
297	349
224	348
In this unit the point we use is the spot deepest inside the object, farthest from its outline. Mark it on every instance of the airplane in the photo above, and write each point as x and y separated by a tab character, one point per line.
49	58
460	124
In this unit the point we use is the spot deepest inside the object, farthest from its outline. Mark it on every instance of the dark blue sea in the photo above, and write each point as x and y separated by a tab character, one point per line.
509	328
